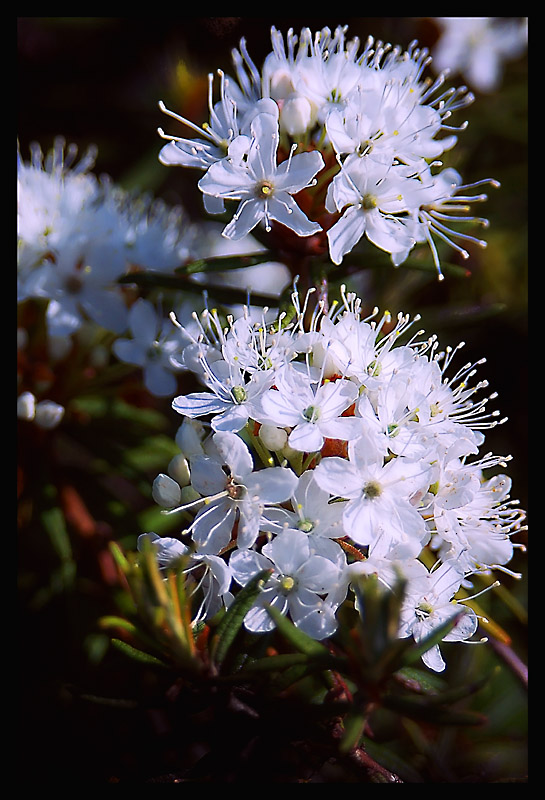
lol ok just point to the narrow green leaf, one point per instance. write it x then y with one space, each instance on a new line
223 263
117 622
422 681
420 708
233 618
55 525
300 640
274 663
137 655
456 693
181 282
119 558
354 724
393 761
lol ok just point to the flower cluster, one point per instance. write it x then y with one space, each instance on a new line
333 142
77 235
477 47
328 447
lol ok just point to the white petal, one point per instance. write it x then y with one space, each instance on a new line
319 574
198 404
283 208
234 452
247 216
273 484
221 572
245 564
130 351
159 381
207 476
143 321
306 437
232 420
346 233
213 526
301 171
338 477
433 659
317 621
289 550
344 428
283 408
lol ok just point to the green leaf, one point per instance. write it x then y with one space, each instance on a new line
224 263
233 618
55 525
117 622
183 282
274 663
393 761
354 724
420 708
421 680
119 558
300 640
137 655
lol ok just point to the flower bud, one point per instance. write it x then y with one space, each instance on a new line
165 491
189 494
272 437
178 469
26 405
296 115
48 414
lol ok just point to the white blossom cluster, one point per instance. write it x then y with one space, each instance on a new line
327 447
332 140
77 234
478 47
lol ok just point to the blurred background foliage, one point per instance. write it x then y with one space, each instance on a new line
98 80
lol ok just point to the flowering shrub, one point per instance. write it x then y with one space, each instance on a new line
287 492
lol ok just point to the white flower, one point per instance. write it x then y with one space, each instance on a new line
313 413
264 188
381 499
387 122
231 400
154 342
391 435
478 47
52 191
298 584
311 512
217 137
235 493
428 603
477 532
439 199
372 194
214 576
321 69
72 248
158 238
